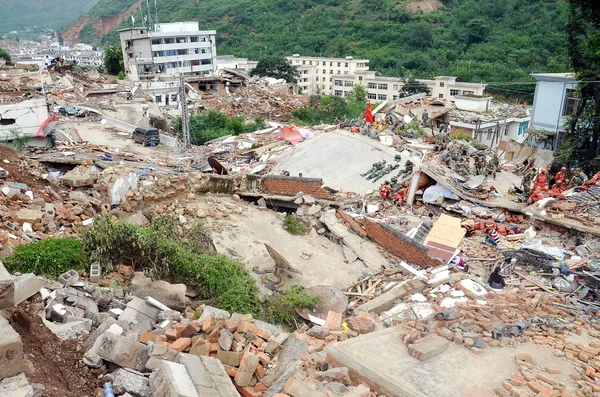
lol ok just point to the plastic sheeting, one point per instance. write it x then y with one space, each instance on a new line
433 192
292 134
552 251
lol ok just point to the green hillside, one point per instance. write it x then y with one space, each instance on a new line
476 40
36 15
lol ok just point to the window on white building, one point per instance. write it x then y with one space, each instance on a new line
346 65
169 40
338 83
359 78
194 39
324 71
372 96
372 86
523 127
396 87
338 93
441 84
304 62
158 99
339 72
571 102
382 86
348 84
339 64
454 92
310 62
331 72
382 97
465 92
441 96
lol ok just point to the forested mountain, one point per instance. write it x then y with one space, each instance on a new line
37 15
476 40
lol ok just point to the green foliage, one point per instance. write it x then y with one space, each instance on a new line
581 145
277 67
490 41
293 225
4 55
50 257
328 108
214 124
415 126
461 136
163 252
281 308
35 15
412 87
121 75
21 143
113 60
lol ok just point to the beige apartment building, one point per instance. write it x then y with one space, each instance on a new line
338 76
316 73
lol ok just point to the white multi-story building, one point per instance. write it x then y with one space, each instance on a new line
338 76
174 49
316 73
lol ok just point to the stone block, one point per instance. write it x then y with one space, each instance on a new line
225 339
171 380
208 376
248 365
297 388
218 314
95 272
7 289
428 348
29 215
26 286
229 358
139 315
171 295
11 350
16 386
68 278
120 350
128 382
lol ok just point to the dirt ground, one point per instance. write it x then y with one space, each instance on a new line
56 364
24 171
425 6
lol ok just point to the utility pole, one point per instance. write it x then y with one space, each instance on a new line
185 121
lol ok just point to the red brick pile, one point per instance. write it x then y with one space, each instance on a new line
244 349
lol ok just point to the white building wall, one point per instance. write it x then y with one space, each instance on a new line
28 116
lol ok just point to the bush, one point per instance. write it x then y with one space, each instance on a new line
282 308
49 258
293 225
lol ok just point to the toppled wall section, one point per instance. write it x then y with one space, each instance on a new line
400 245
290 186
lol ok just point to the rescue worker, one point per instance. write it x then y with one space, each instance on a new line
400 196
592 181
578 179
479 164
560 176
541 179
491 169
446 157
527 180
386 171
461 169
385 191
408 170
376 167
490 224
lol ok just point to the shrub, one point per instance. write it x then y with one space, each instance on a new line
49 258
282 308
293 225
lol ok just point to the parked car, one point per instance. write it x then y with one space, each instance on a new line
146 136
72 111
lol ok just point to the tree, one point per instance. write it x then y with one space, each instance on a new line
4 55
581 145
113 59
412 87
276 67
358 94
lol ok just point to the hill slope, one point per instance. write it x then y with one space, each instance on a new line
55 14
476 40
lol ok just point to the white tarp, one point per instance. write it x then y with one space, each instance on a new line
433 192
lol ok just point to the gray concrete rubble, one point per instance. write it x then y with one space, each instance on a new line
11 351
16 386
127 381
139 315
217 313
121 351
208 376
7 289
26 285
172 380
171 295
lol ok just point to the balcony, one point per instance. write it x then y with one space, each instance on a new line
181 46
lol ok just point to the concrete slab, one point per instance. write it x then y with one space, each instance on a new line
11 350
338 157
7 289
389 369
26 286
171 295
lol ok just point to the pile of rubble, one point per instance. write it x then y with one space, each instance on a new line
257 100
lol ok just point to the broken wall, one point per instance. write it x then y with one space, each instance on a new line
517 153
22 119
290 186
399 244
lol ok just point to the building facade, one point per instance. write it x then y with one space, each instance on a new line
554 100
317 73
338 76
172 49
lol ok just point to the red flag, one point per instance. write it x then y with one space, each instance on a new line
368 114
